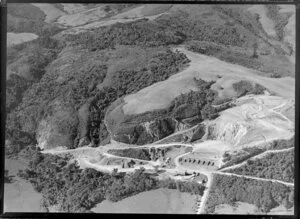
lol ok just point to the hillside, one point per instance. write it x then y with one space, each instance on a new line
134 84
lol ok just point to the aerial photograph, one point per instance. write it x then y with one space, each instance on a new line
150 108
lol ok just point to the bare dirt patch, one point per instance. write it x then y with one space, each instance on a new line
252 123
82 17
265 21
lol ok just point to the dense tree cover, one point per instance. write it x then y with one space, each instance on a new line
160 68
244 87
15 86
142 32
97 109
278 166
138 153
195 29
263 194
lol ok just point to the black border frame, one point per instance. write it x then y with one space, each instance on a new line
3 99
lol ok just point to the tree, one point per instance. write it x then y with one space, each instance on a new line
286 203
7 178
255 47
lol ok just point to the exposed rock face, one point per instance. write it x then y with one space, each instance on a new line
82 130
58 129
144 133
181 126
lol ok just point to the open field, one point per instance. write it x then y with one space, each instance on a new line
246 208
19 196
238 208
163 201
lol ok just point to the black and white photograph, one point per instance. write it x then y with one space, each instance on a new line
150 108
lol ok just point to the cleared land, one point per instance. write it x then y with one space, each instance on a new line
73 8
265 21
18 38
160 95
82 17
